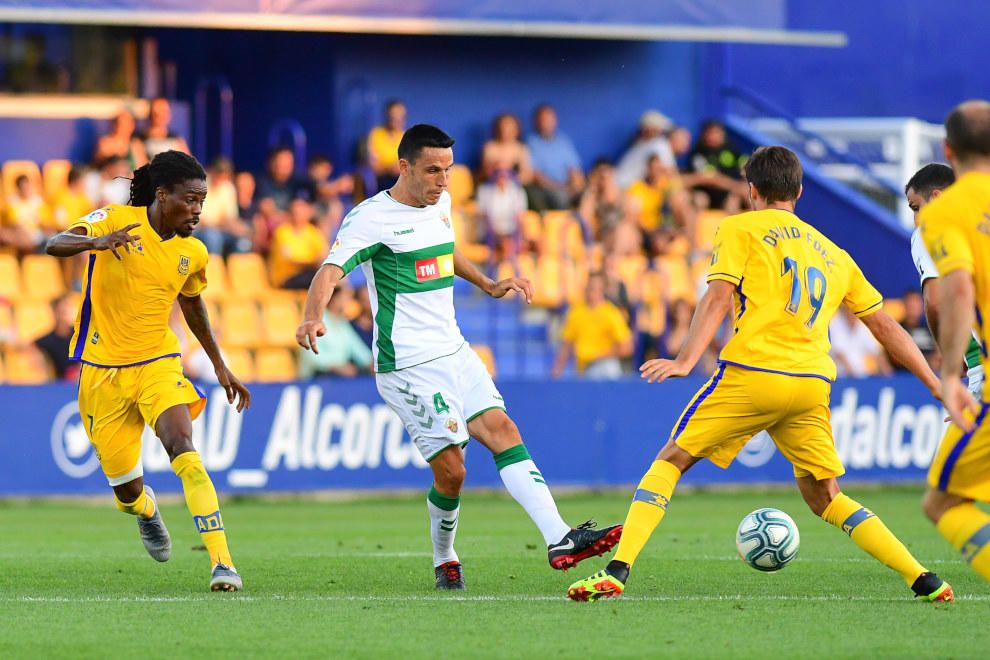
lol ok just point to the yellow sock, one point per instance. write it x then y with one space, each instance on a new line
869 533
646 511
968 530
143 506
201 500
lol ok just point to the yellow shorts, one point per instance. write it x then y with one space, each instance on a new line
115 405
737 403
962 462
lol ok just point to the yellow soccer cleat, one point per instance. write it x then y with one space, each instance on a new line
600 585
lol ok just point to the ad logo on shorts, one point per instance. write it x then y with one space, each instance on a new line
71 449
434 268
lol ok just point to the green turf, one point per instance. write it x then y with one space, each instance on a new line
355 579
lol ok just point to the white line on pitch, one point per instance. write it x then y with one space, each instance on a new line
442 598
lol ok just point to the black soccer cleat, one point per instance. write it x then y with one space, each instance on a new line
450 576
582 542
932 589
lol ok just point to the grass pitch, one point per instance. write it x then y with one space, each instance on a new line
355 579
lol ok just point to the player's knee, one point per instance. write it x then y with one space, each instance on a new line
451 477
505 432
818 500
935 504
176 442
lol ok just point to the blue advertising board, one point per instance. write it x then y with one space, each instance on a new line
337 434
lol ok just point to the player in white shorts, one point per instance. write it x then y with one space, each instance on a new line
403 240
927 184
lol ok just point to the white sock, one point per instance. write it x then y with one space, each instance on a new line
526 485
443 529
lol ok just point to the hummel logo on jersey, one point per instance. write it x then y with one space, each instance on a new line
404 232
434 268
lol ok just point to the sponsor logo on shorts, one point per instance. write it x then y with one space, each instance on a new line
452 425
434 268
183 265
95 339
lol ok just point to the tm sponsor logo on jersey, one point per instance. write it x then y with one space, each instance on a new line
434 268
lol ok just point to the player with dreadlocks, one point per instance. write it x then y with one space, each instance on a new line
142 259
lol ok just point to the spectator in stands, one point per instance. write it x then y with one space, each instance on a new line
600 208
364 322
916 325
55 345
298 247
661 185
244 184
506 151
383 145
855 351
651 140
158 136
680 143
273 194
326 192
121 141
72 202
220 226
596 334
716 169
557 175
681 312
342 351
27 222
501 204
616 291
115 181
8 331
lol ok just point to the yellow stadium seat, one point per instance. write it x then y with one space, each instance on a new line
487 357
26 366
549 280
10 277
12 169
3 374
705 226
631 269
532 226
678 279
32 319
55 175
240 363
241 326
279 320
217 286
247 275
895 308
42 277
471 249
555 227
275 365
460 185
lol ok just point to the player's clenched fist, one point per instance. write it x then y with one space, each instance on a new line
116 239
307 333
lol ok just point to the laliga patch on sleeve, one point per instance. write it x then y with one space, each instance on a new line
96 216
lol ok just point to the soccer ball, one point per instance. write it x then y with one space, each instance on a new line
767 539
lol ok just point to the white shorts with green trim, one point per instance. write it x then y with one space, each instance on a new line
435 400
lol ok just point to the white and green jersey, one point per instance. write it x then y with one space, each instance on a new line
407 255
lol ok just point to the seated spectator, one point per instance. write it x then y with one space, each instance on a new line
680 143
364 322
55 345
855 351
596 334
274 191
158 136
557 175
916 325
298 248
114 186
220 226
506 151
600 208
383 145
716 169
501 203
121 141
659 186
651 140
26 221
71 203
342 351
327 192
244 184
681 313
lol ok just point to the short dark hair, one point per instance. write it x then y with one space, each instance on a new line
279 148
967 129
931 177
776 173
391 103
166 170
422 136
319 159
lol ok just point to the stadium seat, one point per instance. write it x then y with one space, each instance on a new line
216 279
679 279
466 243
631 269
241 325
55 175
548 277
42 277
555 232
531 227
32 319
705 227
460 185
275 365
15 168
240 363
248 276
10 277
26 366
279 320
487 357
895 308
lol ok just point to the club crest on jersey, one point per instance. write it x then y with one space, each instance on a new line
445 220
336 244
452 425
183 265
434 268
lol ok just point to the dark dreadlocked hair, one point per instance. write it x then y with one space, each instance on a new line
164 171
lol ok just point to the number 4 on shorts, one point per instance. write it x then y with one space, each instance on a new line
440 404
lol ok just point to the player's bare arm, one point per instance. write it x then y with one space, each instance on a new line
320 290
930 294
464 269
73 241
956 306
712 308
898 343
194 311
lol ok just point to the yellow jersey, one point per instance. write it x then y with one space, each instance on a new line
123 319
790 279
383 145
595 332
292 247
956 229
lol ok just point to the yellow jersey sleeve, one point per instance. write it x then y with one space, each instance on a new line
98 223
729 254
196 281
861 296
